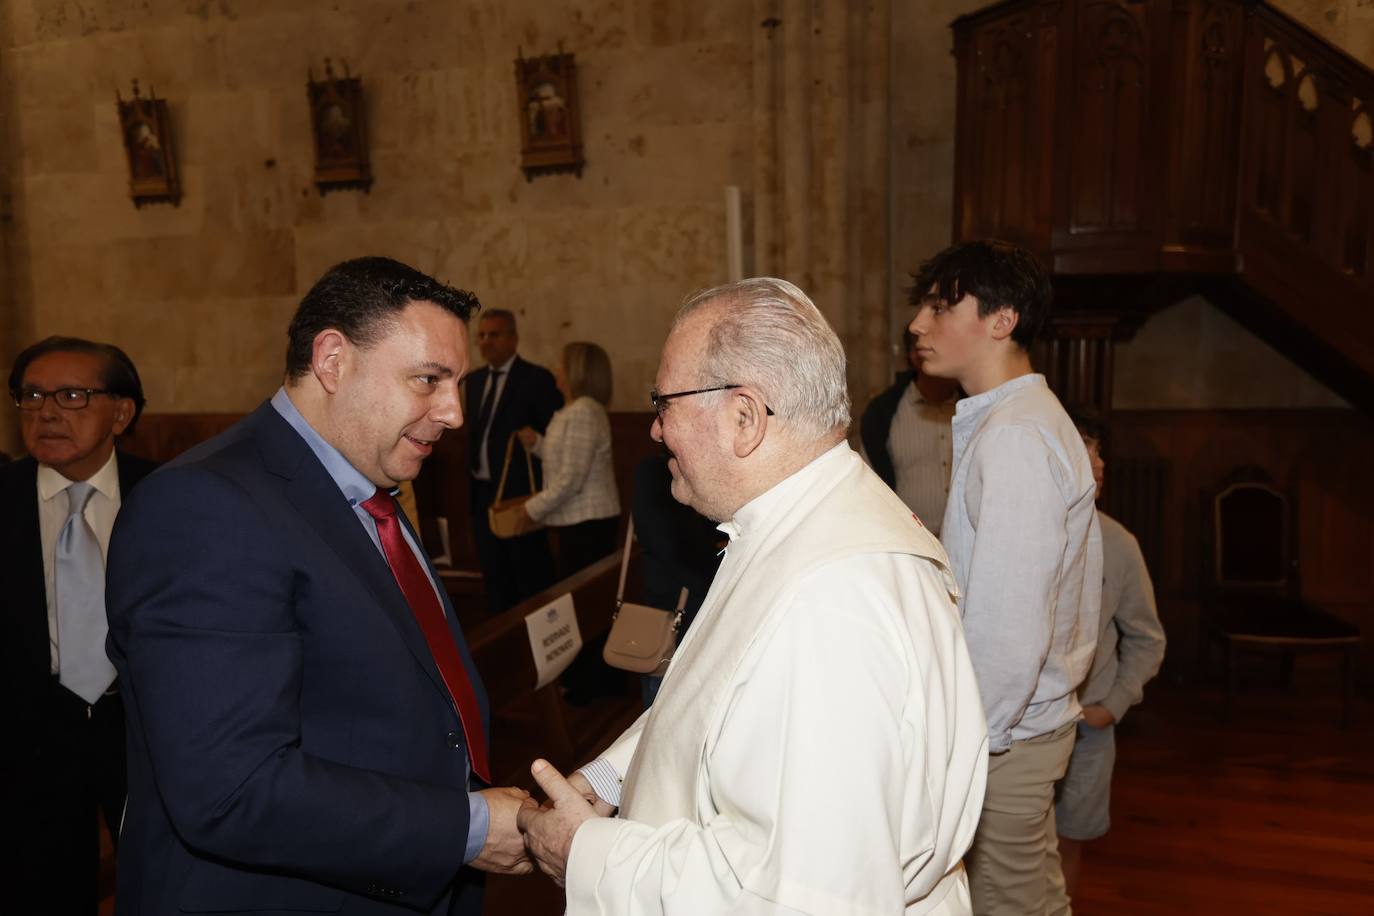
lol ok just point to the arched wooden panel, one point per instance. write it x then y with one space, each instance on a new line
1109 112
1357 178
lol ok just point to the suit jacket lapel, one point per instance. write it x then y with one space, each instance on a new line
23 545
476 382
131 471
456 631
513 376
317 498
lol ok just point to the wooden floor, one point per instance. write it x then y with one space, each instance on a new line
1271 813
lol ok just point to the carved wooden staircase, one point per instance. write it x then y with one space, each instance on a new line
1153 149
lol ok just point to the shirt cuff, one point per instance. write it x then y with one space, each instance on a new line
479 819
604 779
1116 703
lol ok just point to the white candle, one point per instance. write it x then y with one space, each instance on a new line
734 238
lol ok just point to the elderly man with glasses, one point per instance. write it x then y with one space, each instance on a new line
57 507
818 744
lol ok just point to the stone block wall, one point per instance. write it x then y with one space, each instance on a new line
200 294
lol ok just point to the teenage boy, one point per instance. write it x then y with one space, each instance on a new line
1023 538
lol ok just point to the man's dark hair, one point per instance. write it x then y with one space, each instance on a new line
999 275
359 299
118 376
1089 423
505 314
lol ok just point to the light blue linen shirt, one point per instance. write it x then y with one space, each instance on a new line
357 489
1024 541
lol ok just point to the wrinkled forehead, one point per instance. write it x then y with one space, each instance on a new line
66 367
683 351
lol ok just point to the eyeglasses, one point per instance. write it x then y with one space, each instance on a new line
660 401
66 398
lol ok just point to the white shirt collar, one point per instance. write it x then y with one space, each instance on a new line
977 404
106 480
505 367
755 512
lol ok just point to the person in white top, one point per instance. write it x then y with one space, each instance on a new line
818 744
1023 536
579 498
905 437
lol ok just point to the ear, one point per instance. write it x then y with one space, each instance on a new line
124 415
328 357
1004 321
749 417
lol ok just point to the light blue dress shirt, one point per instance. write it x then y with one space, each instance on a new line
357 489
1024 542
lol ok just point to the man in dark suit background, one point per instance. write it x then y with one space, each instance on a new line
305 721
503 396
64 766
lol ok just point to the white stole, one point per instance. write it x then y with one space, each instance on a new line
845 510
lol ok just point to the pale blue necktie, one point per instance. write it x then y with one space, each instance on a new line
83 668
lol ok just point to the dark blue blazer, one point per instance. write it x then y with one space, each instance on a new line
291 743
530 398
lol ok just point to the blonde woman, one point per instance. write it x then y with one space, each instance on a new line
579 499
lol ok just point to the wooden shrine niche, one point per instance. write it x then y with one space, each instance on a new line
338 121
550 120
146 129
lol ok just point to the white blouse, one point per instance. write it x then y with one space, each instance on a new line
579 479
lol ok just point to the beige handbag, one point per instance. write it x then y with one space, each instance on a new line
506 517
642 638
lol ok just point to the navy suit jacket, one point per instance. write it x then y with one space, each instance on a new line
291 743
530 398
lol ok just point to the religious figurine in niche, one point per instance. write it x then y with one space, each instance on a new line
550 126
147 132
548 114
337 121
146 154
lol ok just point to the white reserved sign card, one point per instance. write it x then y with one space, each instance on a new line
554 638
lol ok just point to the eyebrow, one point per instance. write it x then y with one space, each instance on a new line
436 368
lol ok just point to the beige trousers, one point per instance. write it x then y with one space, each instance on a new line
1015 849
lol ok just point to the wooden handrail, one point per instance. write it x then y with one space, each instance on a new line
529 722
1180 147
500 646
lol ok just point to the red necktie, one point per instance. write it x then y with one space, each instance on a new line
424 603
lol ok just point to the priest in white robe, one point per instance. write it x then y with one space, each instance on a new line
818 745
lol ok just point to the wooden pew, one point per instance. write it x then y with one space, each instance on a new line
529 723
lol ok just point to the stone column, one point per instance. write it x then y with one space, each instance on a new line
11 329
821 183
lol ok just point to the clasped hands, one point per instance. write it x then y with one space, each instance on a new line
520 829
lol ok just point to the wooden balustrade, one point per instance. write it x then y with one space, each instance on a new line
1216 141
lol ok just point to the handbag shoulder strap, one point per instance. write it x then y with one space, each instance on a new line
624 572
505 469
529 466
625 564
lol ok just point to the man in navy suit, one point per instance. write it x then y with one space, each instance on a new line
503 396
64 768
305 721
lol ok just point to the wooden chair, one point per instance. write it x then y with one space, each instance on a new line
1252 597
